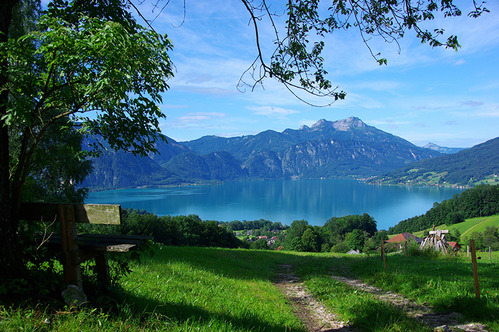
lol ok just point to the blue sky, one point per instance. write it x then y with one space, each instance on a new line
424 94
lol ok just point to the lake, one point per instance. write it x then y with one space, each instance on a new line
313 200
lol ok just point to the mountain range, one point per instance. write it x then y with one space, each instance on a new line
479 164
344 148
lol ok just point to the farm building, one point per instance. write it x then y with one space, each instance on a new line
454 246
401 238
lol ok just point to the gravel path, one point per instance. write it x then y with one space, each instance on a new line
424 313
317 317
312 313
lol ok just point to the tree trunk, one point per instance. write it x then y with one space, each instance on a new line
9 245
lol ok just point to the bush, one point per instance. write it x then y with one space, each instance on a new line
260 244
341 247
179 230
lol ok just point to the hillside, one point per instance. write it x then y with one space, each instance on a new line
344 148
468 227
479 164
479 201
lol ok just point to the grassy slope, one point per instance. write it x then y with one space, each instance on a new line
470 226
225 290
210 289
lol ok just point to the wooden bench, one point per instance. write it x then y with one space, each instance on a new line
77 248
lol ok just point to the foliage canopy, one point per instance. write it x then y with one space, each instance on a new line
297 60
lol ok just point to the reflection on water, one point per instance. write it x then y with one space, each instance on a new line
282 200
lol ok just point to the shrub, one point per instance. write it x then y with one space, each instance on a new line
341 247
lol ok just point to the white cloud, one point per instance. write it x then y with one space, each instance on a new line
200 116
472 103
271 111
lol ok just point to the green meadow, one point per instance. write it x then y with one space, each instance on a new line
470 226
214 289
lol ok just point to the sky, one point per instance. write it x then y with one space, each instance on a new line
423 95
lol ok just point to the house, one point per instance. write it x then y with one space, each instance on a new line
454 246
399 240
272 240
403 237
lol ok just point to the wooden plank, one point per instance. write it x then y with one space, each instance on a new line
69 245
101 240
89 251
109 214
120 247
114 238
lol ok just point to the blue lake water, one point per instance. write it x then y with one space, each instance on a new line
313 200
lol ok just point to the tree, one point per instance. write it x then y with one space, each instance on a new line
90 57
260 244
356 239
311 240
104 75
294 235
58 163
297 60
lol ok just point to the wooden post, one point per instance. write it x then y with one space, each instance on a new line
69 244
102 268
468 251
383 253
475 268
490 253
405 248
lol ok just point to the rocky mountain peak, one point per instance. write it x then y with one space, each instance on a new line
320 123
341 125
348 123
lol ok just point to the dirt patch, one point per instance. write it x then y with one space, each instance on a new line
423 313
311 312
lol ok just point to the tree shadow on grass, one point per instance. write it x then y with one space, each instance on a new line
237 264
473 309
164 314
379 316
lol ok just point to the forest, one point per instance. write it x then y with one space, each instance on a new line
480 201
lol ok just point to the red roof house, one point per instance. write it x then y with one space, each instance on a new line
454 245
403 237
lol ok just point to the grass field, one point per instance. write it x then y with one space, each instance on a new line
470 226
212 289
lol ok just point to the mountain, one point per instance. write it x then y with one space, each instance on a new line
467 167
344 148
442 149
119 169
341 148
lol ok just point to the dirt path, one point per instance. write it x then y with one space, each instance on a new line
317 317
423 313
311 312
